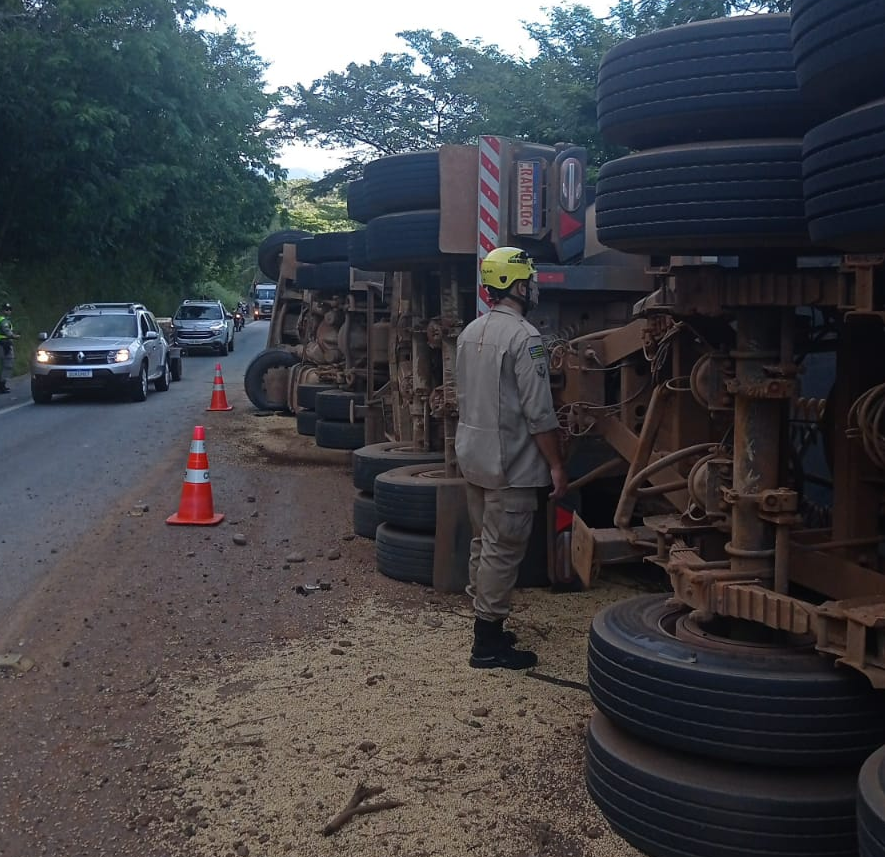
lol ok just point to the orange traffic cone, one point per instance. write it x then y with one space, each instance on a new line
196 493
219 399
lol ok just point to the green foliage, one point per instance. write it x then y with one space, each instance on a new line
441 90
128 132
635 17
300 208
390 106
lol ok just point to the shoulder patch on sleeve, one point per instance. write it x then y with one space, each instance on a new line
537 352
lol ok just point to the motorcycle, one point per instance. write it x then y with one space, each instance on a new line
239 321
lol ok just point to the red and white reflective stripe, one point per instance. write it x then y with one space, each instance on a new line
489 211
196 477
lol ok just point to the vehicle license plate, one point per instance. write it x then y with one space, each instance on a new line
79 373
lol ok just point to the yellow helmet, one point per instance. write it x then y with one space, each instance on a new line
504 266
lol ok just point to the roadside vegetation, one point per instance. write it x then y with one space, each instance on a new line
139 153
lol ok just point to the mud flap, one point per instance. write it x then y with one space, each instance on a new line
583 549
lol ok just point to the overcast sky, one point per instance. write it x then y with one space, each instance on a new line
304 40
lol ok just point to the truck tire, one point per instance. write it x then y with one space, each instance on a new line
713 198
871 806
324 247
365 518
837 50
659 675
332 434
253 380
844 179
406 497
670 804
357 208
306 395
404 555
403 182
723 79
337 404
306 423
356 250
369 461
405 240
332 278
271 248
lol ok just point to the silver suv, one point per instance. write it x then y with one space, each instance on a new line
102 346
203 324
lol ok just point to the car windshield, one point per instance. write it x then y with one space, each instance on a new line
194 312
116 326
264 294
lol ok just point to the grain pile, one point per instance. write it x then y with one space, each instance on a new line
483 763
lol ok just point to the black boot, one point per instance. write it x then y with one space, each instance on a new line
492 648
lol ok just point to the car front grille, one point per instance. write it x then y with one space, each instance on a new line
197 335
81 358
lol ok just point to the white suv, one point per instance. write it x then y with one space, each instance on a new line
102 346
203 324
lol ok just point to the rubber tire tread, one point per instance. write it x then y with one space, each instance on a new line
357 208
271 248
324 247
670 804
871 805
356 250
404 182
722 79
402 240
253 378
334 434
306 395
332 278
376 458
306 422
406 496
716 198
783 708
365 518
837 51
844 179
404 555
335 404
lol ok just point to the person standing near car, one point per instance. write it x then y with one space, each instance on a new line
7 350
507 445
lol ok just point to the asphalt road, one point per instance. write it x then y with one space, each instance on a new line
65 464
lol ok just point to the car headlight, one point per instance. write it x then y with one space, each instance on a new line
44 356
120 356
218 325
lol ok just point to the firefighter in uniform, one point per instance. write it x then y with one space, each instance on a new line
7 352
507 444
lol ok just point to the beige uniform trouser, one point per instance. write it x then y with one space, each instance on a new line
502 524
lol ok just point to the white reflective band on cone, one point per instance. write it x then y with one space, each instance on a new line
198 446
197 477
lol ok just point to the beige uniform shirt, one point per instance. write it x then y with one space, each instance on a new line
503 399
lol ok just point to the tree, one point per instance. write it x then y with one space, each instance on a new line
129 131
381 108
636 17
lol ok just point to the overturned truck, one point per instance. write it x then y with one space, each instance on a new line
714 325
